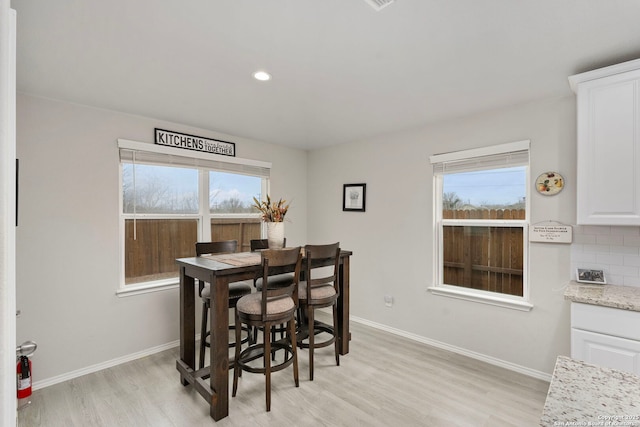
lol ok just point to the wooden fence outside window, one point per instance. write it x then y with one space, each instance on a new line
484 257
478 257
152 255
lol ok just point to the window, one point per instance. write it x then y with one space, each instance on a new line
170 200
160 204
481 223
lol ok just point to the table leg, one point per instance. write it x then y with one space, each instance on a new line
219 355
187 322
343 307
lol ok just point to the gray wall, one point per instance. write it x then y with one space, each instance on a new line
67 241
392 240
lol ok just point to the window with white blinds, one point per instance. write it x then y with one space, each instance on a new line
481 224
144 153
498 156
172 198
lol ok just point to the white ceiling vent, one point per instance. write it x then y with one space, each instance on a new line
378 5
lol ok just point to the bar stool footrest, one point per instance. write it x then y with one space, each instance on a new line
256 352
318 329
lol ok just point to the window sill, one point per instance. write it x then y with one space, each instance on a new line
480 297
147 287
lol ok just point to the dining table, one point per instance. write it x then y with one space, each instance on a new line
212 382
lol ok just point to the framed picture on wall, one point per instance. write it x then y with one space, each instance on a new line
590 276
354 197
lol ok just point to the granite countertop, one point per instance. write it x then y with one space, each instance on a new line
616 296
581 394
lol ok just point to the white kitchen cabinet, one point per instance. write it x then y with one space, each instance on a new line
608 164
605 336
605 350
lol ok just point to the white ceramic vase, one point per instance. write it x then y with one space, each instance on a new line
275 235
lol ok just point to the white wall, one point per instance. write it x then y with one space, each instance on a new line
67 240
7 214
392 240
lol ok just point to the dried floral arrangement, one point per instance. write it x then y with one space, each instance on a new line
271 212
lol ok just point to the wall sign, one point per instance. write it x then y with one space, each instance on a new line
550 233
196 143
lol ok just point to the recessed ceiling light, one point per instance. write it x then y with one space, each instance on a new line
263 76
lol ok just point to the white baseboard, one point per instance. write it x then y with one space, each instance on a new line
474 355
444 346
104 365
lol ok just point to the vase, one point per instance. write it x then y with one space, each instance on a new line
275 235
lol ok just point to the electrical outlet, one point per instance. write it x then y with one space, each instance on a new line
388 300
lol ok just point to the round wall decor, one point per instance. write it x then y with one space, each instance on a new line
549 183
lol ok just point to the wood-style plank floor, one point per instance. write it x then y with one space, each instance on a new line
385 380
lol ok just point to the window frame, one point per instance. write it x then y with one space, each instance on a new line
202 163
438 286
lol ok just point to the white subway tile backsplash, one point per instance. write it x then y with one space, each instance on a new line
602 239
631 281
605 249
588 239
616 250
632 241
610 259
625 250
589 266
632 260
583 257
625 270
625 231
614 279
596 229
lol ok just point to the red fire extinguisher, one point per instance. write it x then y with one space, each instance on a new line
24 377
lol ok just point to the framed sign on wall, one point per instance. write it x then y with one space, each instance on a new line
354 197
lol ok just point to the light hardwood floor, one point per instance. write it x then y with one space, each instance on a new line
385 380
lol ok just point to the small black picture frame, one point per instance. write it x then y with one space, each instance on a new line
354 197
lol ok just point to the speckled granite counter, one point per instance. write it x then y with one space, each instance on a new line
616 296
581 394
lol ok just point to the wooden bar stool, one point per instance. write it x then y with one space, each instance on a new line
270 306
317 291
236 291
275 281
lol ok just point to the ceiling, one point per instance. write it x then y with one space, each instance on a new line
341 71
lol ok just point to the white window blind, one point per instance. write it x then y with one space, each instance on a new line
498 156
144 153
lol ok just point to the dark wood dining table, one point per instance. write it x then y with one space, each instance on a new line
219 271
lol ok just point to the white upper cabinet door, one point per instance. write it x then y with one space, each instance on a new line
608 187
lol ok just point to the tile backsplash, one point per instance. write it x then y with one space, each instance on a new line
616 250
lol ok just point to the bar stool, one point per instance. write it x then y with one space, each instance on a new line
318 291
236 291
275 281
264 309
